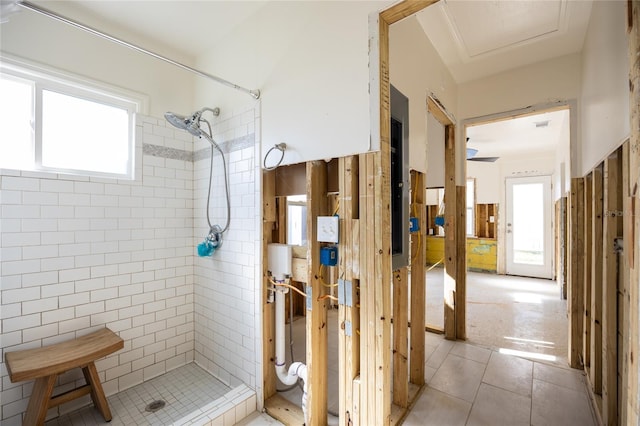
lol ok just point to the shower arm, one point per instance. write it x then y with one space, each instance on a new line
30 6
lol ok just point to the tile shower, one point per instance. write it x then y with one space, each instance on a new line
79 253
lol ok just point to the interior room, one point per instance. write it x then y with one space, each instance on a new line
320 212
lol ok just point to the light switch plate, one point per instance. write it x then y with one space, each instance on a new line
328 229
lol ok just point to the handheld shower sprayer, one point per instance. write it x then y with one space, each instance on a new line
191 124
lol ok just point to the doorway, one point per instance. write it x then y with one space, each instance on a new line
529 248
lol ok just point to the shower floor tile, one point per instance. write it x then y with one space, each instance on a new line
188 391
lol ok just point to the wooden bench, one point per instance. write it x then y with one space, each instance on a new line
46 363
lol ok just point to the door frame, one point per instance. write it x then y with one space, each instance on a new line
546 270
572 106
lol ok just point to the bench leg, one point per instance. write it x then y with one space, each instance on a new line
97 393
39 400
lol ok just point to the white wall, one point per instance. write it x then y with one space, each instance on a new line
541 83
310 60
488 181
562 175
605 89
435 153
34 37
555 81
416 70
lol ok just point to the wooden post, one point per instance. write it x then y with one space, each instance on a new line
418 284
576 283
348 313
461 262
596 281
624 307
588 241
564 246
317 317
612 229
377 267
632 211
400 341
450 221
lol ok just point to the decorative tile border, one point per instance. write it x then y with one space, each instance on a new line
166 152
181 154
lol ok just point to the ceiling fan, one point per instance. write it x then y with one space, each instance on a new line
471 156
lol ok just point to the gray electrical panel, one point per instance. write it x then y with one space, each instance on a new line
399 179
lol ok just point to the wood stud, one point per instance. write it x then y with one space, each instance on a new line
316 319
418 281
576 271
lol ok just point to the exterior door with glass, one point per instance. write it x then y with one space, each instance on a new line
529 228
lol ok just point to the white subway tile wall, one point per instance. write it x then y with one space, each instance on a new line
79 253
227 285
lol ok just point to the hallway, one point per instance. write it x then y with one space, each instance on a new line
506 312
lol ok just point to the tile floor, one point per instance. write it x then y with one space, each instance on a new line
192 396
472 385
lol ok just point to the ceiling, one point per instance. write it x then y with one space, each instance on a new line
189 27
522 136
480 38
474 39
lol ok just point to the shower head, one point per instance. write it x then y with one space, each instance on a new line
8 8
190 124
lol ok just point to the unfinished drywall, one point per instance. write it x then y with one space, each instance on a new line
310 60
417 71
604 105
36 38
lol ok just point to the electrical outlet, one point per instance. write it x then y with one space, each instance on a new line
328 229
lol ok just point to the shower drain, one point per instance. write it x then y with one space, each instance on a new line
155 406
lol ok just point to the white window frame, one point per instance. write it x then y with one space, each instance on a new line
471 209
45 78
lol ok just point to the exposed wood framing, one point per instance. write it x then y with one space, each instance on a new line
461 262
612 228
290 180
403 10
565 246
284 410
455 263
375 291
631 211
586 264
316 323
576 280
450 248
349 314
367 294
597 215
269 217
400 338
561 244
624 308
418 284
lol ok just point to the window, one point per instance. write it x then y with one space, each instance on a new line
62 125
297 220
471 204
